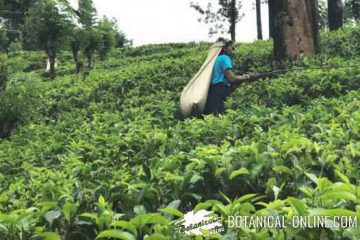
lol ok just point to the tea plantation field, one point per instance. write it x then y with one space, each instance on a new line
109 156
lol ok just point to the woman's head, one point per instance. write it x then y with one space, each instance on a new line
228 47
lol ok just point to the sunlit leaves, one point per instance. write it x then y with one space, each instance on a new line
110 156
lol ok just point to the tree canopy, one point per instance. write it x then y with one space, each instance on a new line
222 18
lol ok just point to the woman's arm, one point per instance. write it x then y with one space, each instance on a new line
233 79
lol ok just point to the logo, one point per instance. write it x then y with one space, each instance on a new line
201 223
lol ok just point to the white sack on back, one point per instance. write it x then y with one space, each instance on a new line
193 97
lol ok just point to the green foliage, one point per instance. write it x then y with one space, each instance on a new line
110 157
48 28
121 40
92 42
107 31
3 40
92 37
83 37
11 69
12 15
3 71
15 48
322 12
343 42
225 12
17 105
352 11
76 44
111 27
87 13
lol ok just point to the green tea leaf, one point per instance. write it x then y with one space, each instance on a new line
331 212
245 198
139 209
276 191
199 206
149 218
238 172
126 225
343 177
156 237
282 169
195 178
219 171
101 202
352 233
51 216
48 236
3 229
298 205
174 204
172 211
116 234
307 191
68 210
312 177
339 195
92 216
226 198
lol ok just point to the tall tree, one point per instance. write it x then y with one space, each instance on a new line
68 7
258 19
355 6
48 28
13 14
271 5
15 11
107 32
352 10
76 42
228 12
87 13
92 36
81 35
295 28
3 40
120 38
92 43
335 14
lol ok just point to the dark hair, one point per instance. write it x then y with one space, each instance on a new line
226 43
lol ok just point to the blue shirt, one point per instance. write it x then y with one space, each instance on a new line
222 63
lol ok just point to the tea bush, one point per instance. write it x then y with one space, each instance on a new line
344 42
18 103
109 156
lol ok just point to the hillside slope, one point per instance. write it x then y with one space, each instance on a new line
87 155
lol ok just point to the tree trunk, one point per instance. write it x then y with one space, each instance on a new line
258 20
313 6
52 59
77 64
232 32
75 54
90 59
335 14
3 77
355 9
271 18
295 28
233 20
